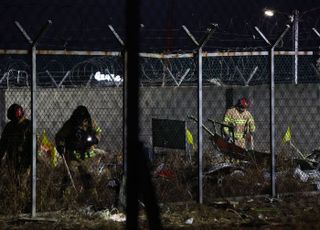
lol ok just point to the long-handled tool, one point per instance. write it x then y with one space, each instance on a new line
222 126
203 126
252 143
69 173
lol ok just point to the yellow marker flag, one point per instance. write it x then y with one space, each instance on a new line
287 136
54 159
48 148
189 138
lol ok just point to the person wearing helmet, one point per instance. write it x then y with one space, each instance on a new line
16 148
75 141
242 122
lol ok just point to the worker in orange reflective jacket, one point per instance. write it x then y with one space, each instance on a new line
242 122
75 141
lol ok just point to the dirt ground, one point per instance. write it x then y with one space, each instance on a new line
298 211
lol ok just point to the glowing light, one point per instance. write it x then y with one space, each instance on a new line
269 13
89 139
107 77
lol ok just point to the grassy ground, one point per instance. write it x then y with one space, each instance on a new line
286 212
175 180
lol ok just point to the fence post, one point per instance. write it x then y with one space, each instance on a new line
124 55
272 105
296 43
199 46
33 44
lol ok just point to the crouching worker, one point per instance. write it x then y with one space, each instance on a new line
75 142
16 152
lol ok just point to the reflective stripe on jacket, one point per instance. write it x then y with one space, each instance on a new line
243 123
85 155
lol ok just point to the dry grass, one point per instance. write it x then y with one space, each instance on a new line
16 200
178 185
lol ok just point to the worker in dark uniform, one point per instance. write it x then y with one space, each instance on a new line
16 150
75 141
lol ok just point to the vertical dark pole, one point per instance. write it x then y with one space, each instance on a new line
2 109
33 44
272 124
272 106
124 55
272 113
34 130
124 110
200 147
132 43
200 45
139 183
296 44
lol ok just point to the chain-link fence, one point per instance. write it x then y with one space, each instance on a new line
235 66
168 92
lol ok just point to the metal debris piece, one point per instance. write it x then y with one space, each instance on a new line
110 215
266 175
237 173
113 183
301 174
222 168
189 221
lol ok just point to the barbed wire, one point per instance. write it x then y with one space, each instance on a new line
229 68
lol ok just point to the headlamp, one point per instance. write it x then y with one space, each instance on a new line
89 138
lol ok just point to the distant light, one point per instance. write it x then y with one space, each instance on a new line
101 77
269 13
117 78
107 77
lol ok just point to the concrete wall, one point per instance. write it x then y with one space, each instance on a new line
296 106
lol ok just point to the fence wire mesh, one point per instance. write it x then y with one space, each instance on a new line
235 65
168 91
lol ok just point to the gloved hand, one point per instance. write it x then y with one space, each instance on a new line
249 138
94 140
228 139
61 149
91 139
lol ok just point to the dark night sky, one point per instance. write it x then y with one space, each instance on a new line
82 24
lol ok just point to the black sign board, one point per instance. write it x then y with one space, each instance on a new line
168 133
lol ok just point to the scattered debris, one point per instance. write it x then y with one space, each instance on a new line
223 168
301 174
165 173
189 221
113 215
113 183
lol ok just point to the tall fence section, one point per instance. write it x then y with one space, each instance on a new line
169 90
